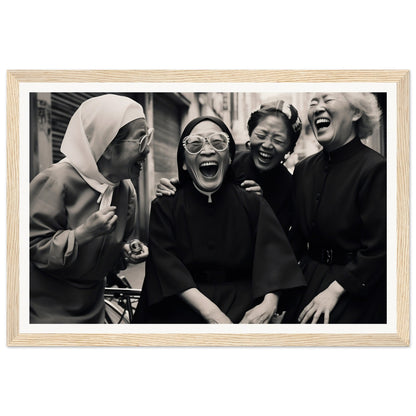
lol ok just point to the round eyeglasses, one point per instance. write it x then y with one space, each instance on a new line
194 143
143 141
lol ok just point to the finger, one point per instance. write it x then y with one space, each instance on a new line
245 319
326 317
174 181
305 309
255 189
246 183
107 210
108 216
167 184
317 315
308 315
111 223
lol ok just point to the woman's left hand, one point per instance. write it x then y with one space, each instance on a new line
323 303
252 186
135 258
263 312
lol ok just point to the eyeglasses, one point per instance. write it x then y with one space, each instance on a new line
194 143
143 141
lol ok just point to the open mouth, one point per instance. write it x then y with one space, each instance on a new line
209 169
265 157
322 123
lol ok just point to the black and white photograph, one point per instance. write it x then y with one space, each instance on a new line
167 207
170 165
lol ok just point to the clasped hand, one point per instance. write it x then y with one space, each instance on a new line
98 223
135 258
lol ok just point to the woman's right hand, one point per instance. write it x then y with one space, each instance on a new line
98 223
217 317
204 306
166 187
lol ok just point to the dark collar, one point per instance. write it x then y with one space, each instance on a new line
345 152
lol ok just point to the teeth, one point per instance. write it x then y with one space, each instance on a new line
265 155
203 164
322 122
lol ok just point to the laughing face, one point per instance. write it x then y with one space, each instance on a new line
124 156
269 142
208 167
332 119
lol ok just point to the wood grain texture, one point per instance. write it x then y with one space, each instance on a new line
398 77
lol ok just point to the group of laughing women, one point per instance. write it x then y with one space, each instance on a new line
236 238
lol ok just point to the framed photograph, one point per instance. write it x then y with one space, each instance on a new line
338 243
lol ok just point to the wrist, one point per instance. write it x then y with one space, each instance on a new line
336 288
209 312
81 235
271 300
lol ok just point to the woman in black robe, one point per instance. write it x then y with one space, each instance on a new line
339 233
217 253
274 129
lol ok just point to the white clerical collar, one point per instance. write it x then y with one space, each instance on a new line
208 194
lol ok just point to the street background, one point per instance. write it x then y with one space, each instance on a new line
215 35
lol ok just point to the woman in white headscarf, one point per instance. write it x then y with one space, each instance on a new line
82 210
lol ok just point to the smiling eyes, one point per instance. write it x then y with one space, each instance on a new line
262 135
315 101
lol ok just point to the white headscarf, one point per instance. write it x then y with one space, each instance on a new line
91 129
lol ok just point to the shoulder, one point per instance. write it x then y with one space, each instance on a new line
308 161
283 173
242 165
247 199
58 174
371 157
242 157
166 203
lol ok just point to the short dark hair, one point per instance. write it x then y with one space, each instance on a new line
278 109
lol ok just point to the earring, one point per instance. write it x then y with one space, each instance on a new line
285 157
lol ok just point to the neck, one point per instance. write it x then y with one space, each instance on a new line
207 193
105 170
331 146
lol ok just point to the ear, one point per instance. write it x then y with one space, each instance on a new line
357 114
184 166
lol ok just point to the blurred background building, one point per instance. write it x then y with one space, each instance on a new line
168 113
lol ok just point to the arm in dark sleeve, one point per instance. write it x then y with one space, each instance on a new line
364 272
275 265
166 275
52 245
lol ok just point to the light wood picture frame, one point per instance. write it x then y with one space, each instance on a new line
21 82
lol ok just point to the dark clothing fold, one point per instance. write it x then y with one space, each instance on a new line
232 249
276 185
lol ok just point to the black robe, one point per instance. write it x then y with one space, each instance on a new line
232 249
276 185
340 204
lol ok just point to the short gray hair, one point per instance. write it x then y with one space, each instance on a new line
367 104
